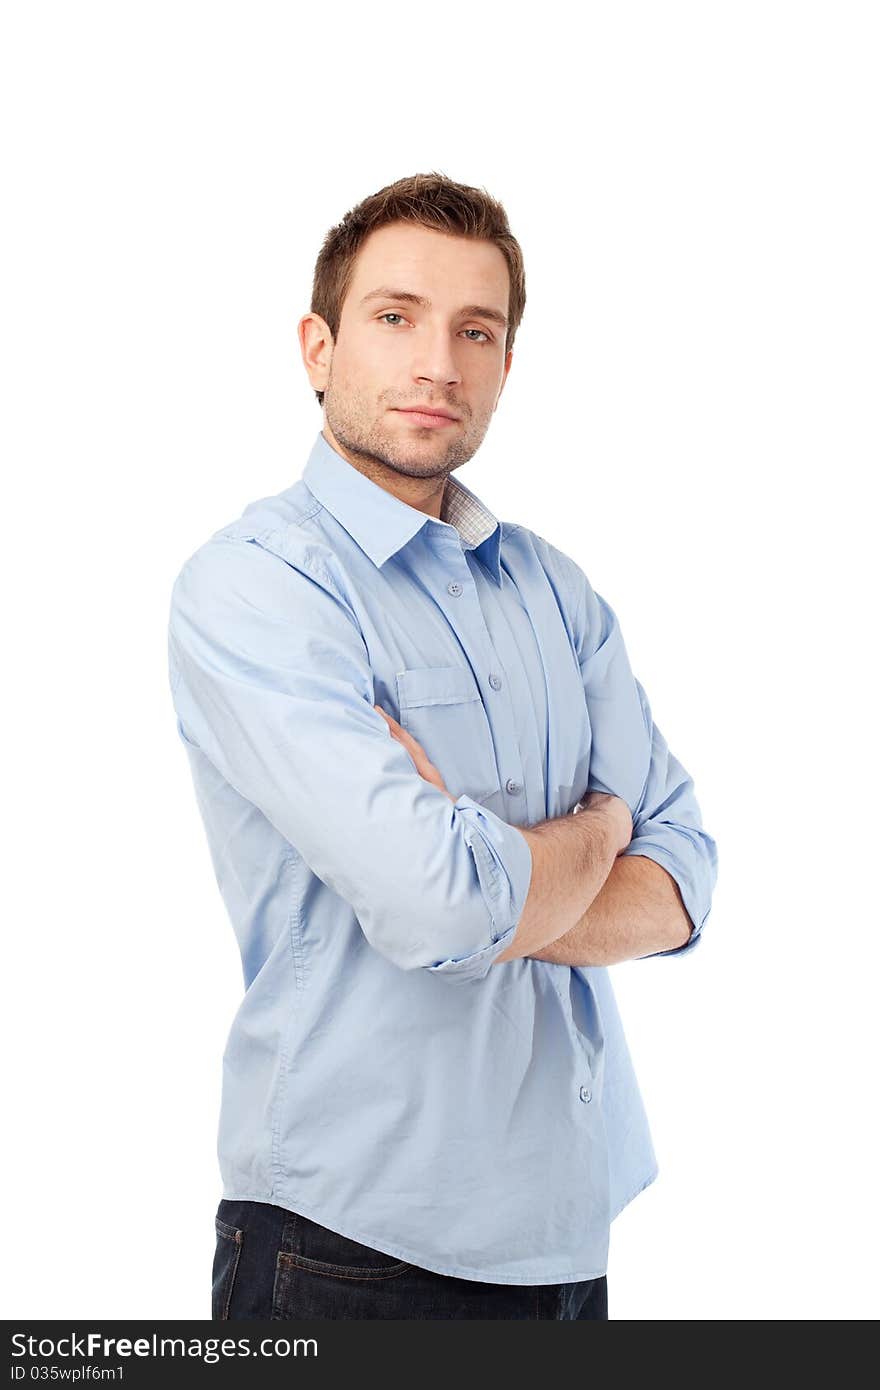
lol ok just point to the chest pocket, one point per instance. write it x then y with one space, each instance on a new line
441 707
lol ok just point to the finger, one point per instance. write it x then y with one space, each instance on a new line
422 763
397 728
411 744
394 728
393 722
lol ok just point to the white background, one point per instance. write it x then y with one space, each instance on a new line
691 414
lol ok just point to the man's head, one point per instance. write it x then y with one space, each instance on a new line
416 300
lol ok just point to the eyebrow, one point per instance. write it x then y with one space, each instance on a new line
407 297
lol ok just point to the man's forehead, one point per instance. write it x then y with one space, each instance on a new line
402 259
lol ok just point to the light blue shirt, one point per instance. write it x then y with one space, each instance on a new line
381 1076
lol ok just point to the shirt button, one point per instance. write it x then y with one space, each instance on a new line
453 588
585 1093
513 787
495 681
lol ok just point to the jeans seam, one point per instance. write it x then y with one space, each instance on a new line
230 1279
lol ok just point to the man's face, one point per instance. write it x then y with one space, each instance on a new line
392 353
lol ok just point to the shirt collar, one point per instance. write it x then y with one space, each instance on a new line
382 524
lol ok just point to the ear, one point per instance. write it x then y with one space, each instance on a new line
507 361
316 345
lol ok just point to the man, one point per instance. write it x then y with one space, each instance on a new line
438 808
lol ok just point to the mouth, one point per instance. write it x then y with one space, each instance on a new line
433 419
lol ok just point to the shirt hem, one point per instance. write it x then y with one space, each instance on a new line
635 1192
404 1252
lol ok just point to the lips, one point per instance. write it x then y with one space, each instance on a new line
426 410
423 421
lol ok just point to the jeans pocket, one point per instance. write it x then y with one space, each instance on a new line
324 1271
226 1256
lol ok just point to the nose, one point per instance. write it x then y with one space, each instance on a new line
435 358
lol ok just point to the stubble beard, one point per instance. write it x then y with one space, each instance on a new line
355 426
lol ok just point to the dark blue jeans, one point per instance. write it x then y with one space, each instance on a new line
273 1263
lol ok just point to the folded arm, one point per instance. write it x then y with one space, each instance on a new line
571 860
658 893
637 912
271 680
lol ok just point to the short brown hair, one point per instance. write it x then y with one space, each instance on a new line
431 200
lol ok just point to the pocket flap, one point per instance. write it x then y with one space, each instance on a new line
436 685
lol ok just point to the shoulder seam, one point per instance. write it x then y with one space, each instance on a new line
307 562
229 532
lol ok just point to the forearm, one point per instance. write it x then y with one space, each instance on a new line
571 859
637 911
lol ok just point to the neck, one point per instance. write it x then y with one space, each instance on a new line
425 494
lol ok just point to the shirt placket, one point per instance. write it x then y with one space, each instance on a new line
513 638
459 598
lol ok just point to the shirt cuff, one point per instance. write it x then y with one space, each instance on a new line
504 867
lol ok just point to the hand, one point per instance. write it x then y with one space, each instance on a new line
424 767
615 809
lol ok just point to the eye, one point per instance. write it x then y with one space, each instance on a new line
393 314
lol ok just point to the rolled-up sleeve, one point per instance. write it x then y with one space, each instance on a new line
631 759
504 866
668 829
271 680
